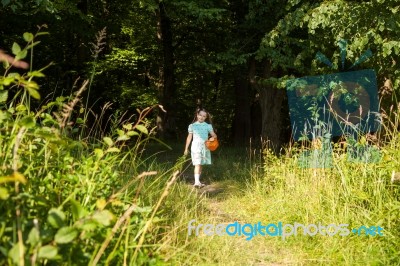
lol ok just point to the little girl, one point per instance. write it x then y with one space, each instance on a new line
198 131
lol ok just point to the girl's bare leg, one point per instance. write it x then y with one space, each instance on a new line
197 173
197 169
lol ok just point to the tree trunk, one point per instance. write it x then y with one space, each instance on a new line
274 112
241 123
165 120
81 49
255 109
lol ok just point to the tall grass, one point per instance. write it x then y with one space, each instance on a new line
350 192
72 196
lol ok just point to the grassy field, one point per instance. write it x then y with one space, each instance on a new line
243 188
124 200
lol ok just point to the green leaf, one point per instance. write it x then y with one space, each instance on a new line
142 129
89 225
42 33
101 203
113 149
3 116
33 237
14 252
65 235
32 45
103 217
3 96
127 126
31 85
36 74
21 55
15 48
4 193
108 141
99 153
14 75
28 37
7 81
6 64
132 133
56 218
48 252
123 137
145 209
34 93
20 108
14 177
77 210
28 122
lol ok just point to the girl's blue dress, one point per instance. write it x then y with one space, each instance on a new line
199 153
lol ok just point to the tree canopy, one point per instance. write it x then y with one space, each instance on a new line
233 58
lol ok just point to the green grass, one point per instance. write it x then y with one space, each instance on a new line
93 202
349 193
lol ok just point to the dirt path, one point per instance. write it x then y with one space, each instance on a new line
236 250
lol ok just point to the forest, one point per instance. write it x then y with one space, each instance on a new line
92 163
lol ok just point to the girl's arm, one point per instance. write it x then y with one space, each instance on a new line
213 135
188 140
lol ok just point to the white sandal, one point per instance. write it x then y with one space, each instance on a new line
199 185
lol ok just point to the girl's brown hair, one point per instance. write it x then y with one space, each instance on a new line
198 110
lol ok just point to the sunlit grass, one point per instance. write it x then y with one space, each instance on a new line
280 191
